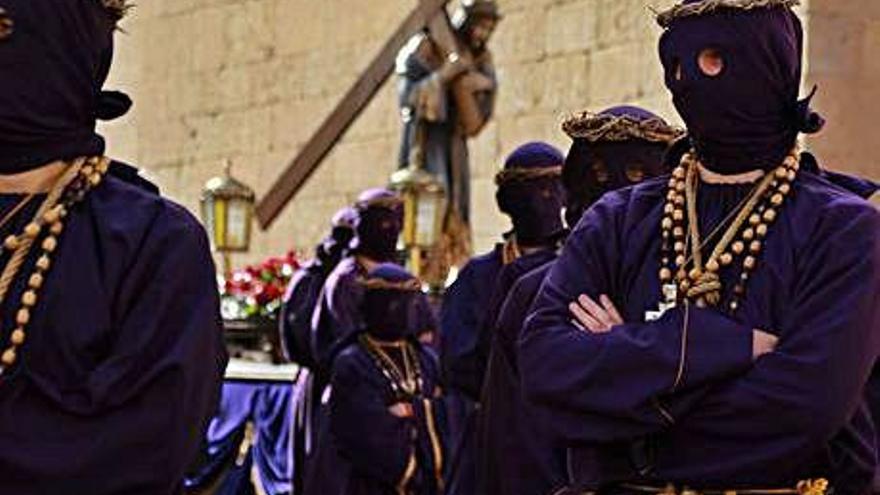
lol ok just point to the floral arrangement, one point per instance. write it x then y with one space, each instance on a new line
256 291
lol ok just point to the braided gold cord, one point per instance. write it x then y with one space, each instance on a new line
520 174
666 17
411 285
594 127
21 252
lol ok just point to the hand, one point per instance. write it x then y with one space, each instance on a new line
454 67
477 82
401 410
592 317
762 343
427 338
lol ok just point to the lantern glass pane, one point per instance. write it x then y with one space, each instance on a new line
238 220
427 218
410 220
221 207
208 219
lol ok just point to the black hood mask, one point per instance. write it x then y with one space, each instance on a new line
55 56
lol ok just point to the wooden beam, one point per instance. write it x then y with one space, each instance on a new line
345 113
443 35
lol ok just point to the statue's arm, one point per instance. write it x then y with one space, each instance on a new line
474 94
425 79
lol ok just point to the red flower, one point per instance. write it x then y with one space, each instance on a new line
261 287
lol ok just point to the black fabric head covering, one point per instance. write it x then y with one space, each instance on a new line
747 116
54 63
529 191
616 148
379 222
391 304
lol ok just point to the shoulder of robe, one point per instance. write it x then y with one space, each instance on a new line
628 206
127 210
860 186
818 192
352 361
131 175
531 280
481 262
649 193
352 353
343 274
832 208
529 262
428 354
300 279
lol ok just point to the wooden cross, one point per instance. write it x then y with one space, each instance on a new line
428 13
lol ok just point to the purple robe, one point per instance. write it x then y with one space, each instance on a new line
372 448
518 455
462 318
337 315
269 406
796 413
295 324
486 426
122 368
504 282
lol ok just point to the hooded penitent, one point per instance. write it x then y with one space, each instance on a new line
618 147
379 222
529 191
785 251
342 232
391 303
55 57
734 71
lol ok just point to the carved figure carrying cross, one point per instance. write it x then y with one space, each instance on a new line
430 14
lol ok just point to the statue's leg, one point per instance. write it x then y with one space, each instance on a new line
457 225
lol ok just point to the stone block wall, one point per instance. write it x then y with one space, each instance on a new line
844 61
250 80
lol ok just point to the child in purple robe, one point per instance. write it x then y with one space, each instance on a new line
378 224
386 414
617 148
338 315
714 330
111 350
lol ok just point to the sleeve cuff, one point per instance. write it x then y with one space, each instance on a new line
713 347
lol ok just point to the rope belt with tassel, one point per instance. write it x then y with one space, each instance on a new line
807 487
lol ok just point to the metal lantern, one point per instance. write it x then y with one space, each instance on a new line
227 211
424 202
424 206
